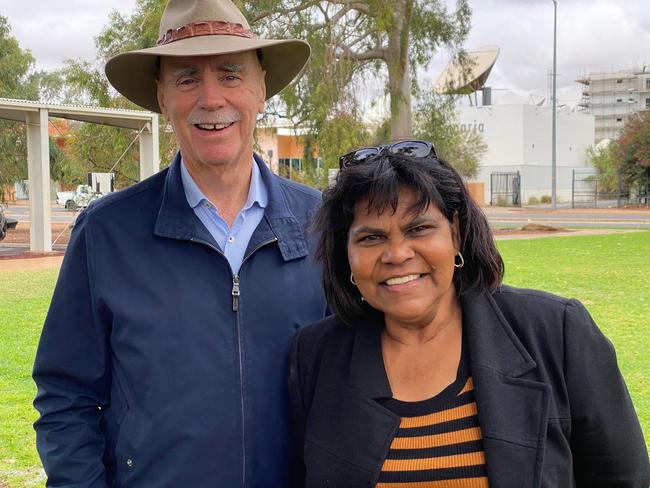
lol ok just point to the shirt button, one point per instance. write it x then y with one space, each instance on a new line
231 238
129 462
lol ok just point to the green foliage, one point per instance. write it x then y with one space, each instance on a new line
604 160
24 298
339 135
352 42
15 67
625 162
100 148
436 121
632 150
533 201
16 81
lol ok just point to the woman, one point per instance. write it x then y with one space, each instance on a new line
431 373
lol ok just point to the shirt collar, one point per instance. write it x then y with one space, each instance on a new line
256 191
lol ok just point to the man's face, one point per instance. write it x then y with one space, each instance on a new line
212 103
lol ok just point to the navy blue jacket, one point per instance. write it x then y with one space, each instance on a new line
159 368
552 404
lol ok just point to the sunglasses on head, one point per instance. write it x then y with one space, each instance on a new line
415 149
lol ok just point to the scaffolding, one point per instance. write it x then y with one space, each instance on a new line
613 96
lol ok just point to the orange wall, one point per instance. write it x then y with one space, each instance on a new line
7 194
290 147
477 192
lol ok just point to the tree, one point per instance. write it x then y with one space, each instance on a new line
102 148
632 150
354 42
603 159
436 121
355 39
16 81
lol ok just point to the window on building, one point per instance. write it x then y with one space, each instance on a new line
647 103
619 100
619 81
647 83
295 163
619 119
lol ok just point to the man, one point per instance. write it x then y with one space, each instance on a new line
162 360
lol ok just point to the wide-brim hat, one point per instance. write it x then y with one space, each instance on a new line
203 28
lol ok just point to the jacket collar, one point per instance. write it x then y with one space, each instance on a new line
491 342
367 371
176 219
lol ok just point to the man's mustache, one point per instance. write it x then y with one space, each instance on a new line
223 116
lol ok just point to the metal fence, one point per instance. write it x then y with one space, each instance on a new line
587 191
505 189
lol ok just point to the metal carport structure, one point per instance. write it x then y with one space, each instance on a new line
36 115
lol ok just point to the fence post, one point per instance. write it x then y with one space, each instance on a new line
573 188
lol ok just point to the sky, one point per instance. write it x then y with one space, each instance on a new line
593 35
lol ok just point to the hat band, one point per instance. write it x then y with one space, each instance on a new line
207 28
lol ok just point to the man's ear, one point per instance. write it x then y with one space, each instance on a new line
262 92
160 98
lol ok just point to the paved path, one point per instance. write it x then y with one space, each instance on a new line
614 218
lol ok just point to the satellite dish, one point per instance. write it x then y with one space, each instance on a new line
457 79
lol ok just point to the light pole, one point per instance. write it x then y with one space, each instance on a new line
554 114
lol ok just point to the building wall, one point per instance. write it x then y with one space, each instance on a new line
613 96
518 138
267 146
274 144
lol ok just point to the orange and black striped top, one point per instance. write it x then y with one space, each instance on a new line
439 442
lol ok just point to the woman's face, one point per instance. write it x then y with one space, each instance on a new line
403 263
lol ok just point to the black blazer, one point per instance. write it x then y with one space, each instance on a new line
552 404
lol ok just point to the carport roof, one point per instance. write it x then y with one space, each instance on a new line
129 119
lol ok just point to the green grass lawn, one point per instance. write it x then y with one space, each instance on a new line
24 298
608 273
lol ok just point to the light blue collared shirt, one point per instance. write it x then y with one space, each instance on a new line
232 240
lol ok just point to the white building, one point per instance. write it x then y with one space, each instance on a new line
612 97
518 139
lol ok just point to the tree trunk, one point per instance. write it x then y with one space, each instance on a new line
399 75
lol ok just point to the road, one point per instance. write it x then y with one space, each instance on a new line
570 218
59 214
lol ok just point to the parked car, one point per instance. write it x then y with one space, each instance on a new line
80 198
3 222
6 223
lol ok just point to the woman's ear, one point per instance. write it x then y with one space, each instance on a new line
455 231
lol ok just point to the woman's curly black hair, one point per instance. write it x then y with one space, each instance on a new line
378 179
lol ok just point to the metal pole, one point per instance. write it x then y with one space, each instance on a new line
554 115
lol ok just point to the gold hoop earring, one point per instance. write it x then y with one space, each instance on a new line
352 280
462 261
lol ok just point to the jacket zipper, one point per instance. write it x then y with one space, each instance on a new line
236 293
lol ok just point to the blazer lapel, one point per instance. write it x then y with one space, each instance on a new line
513 411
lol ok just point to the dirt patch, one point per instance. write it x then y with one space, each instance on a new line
20 235
532 231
